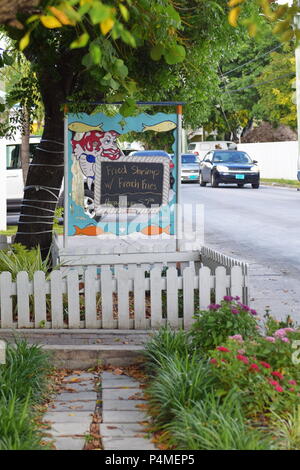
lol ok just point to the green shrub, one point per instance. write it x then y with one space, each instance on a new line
180 381
26 370
213 424
19 258
262 388
17 428
213 326
23 384
165 343
286 429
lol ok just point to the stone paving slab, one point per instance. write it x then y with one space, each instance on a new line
74 429
70 443
123 416
127 443
72 407
122 405
129 383
122 394
69 417
120 430
78 387
77 396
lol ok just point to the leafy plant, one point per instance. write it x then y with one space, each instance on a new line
19 258
25 372
287 429
213 326
165 343
17 428
262 388
213 424
180 382
23 385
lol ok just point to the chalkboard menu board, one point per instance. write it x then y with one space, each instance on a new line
142 181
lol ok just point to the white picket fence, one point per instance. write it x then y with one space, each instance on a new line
114 299
213 259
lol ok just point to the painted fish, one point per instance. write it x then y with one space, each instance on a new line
155 230
90 230
163 126
81 127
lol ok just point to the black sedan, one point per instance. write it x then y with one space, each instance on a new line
230 167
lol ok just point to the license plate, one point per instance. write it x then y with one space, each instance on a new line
193 177
240 177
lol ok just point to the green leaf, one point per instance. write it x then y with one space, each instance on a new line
7 59
96 53
156 52
128 38
175 54
80 42
173 14
128 107
2 107
124 12
99 13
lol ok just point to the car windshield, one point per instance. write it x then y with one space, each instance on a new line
231 157
189 159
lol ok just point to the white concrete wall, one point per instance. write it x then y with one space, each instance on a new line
275 159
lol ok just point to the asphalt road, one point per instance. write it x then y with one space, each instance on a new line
260 226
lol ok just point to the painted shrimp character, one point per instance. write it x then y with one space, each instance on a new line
89 145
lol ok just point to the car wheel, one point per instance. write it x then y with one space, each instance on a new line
255 185
202 183
214 182
240 185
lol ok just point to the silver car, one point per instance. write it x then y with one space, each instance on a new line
189 167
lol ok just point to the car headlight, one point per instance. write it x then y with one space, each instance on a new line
255 169
222 168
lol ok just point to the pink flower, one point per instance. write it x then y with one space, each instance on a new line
238 338
280 333
291 389
214 306
237 298
292 382
235 311
273 382
265 364
242 358
228 298
253 312
285 340
254 367
222 349
278 388
289 330
213 361
277 374
270 339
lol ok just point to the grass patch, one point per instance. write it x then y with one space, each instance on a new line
23 386
12 230
281 182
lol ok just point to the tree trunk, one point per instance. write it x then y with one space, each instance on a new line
25 146
45 173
